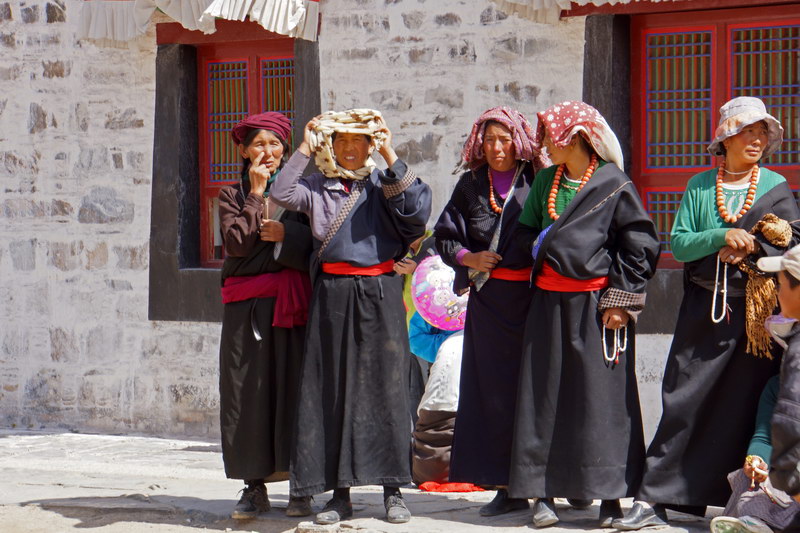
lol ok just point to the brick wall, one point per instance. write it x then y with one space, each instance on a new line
76 134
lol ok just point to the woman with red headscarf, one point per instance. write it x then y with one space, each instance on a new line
473 236
265 290
578 429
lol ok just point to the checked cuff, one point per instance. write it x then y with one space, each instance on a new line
393 189
631 302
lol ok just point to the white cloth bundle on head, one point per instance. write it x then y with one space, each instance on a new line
361 121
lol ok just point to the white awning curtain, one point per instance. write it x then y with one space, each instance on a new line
123 20
550 10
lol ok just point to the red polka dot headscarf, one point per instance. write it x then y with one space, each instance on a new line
562 121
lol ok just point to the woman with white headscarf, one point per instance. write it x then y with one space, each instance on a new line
578 427
353 423
720 358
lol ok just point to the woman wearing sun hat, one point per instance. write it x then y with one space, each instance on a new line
711 383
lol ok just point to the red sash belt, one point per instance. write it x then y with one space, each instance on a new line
511 274
346 269
550 280
290 288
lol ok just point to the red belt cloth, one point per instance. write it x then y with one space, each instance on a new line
550 280
290 288
511 274
346 269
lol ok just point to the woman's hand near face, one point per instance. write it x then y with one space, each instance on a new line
386 150
615 318
308 131
484 261
739 239
272 230
259 176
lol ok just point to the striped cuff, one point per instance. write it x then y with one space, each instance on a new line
399 186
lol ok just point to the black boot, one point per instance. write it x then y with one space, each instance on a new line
544 512
502 504
610 510
338 508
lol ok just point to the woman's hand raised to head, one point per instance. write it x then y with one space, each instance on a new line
259 176
386 150
484 261
308 131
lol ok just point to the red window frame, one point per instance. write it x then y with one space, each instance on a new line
722 23
253 53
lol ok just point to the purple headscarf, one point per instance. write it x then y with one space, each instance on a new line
270 120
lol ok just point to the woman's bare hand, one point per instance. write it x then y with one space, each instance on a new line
739 239
615 318
259 176
272 230
732 256
483 261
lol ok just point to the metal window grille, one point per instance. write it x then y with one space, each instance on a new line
766 63
227 105
663 204
678 105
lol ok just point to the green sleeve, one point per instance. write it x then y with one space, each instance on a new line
689 240
761 443
532 210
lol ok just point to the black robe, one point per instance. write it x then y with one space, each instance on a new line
353 425
578 430
258 378
711 386
493 331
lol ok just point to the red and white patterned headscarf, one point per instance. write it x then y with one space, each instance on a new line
562 121
521 131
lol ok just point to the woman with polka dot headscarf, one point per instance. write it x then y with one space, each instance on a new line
578 427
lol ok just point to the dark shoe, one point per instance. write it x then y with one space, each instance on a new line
577 503
640 516
544 512
502 504
396 510
334 511
254 500
299 506
610 510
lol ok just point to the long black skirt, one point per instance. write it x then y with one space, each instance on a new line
578 431
258 384
353 424
490 365
710 397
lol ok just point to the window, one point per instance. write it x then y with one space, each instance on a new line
182 286
233 82
681 75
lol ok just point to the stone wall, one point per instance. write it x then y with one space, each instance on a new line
76 137
433 66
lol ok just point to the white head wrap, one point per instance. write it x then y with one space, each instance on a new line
361 121
739 113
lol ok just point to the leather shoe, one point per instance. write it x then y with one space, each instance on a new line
396 510
544 512
640 516
334 511
609 511
299 506
579 503
502 504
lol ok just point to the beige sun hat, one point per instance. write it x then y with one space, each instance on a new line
789 261
740 112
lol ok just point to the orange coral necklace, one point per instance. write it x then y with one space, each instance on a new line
749 199
551 200
492 202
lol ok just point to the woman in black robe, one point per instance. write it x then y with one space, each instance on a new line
473 236
578 429
711 384
265 289
353 422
